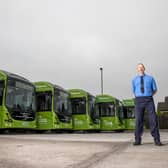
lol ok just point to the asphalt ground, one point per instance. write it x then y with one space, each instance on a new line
78 150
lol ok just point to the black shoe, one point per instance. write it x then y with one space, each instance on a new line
158 144
136 143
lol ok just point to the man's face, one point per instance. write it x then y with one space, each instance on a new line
140 69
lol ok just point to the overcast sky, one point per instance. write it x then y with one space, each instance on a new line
66 41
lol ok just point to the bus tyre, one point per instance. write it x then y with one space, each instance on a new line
119 131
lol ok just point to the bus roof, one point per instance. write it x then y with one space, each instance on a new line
75 93
105 98
47 86
15 76
128 102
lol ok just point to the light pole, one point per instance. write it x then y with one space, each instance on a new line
101 70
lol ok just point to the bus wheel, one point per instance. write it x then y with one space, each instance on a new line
70 131
2 131
119 131
40 131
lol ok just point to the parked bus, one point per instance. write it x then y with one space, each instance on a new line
17 102
84 116
53 107
129 113
162 113
111 116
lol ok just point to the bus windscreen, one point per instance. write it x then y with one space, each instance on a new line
129 112
62 105
78 105
20 100
44 101
106 109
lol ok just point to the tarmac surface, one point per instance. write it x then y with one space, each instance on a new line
78 150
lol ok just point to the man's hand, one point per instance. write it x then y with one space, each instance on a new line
154 92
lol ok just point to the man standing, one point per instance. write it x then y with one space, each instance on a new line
144 87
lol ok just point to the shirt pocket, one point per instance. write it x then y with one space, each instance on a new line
148 86
137 83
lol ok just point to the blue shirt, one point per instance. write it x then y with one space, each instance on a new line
149 86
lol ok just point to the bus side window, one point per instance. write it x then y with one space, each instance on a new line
125 112
1 91
56 101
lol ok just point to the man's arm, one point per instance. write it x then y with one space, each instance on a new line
133 87
154 92
154 87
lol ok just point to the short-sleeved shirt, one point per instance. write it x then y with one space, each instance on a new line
149 86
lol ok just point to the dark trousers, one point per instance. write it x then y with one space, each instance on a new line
143 104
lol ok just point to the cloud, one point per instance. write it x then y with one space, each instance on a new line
66 42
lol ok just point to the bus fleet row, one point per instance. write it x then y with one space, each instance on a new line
44 106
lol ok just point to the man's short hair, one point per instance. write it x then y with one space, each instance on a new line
141 64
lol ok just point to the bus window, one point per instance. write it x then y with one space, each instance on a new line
125 112
78 105
96 111
62 105
1 91
107 109
66 109
120 113
20 100
91 102
130 112
111 110
44 101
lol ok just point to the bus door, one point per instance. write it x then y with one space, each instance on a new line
119 112
94 114
62 106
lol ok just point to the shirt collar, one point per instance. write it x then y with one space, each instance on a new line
142 75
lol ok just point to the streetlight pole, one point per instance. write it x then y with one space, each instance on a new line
101 70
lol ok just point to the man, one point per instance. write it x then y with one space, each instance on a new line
143 88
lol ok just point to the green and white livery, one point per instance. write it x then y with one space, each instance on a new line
84 116
17 102
111 116
129 113
53 107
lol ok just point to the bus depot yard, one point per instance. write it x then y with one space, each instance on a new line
77 129
92 150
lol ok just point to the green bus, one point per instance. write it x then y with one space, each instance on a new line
17 102
53 107
84 116
111 116
129 113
